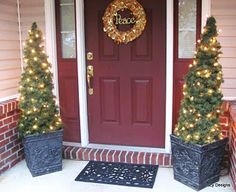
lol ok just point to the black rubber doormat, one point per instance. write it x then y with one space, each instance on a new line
119 174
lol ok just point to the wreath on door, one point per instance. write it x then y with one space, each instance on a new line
111 29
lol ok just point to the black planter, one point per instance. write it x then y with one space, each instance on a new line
43 153
197 166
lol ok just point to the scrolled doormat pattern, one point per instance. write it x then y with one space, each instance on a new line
135 175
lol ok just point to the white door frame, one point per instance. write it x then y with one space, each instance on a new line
81 60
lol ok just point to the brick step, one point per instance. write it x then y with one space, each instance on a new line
86 154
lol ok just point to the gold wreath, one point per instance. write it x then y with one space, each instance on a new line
111 29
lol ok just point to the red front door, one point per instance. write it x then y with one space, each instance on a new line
128 104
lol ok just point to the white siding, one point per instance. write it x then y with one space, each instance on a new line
10 66
225 14
31 11
10 58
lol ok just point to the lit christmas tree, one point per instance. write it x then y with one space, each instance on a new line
202 96
39 113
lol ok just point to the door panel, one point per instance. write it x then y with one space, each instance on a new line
110 101
141 90
128 104
67 69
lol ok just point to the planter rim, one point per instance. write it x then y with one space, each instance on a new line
41 134
198 145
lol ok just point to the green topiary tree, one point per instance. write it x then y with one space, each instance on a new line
202 96
39 113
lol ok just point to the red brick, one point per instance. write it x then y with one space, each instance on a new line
11 113
73 153
1 123
109 155
4 142
12 125
16 142
13 105
1 137
225 127
80 154
113 155
15 148
225 106
122 156
5 108
3 169
67 152
104 154
9 133
13 163
224 120
16 117
233 124
92 154
232 174
154 159
116 156
1 110
89 154
11 158
15 131
147 158
86 154
234 132
1 164
3 129
2 150
9 146
7 120
20 152
141 157
135 157
22 156
9 107
160 159
4 155
167 160
13 138
98 155
2 116
128 156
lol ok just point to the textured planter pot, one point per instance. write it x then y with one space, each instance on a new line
43 153
197 166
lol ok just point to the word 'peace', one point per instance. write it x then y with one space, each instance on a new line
124 21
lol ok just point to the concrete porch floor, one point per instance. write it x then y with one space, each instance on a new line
19 179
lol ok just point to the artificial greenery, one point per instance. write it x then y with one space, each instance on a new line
39 113
202 96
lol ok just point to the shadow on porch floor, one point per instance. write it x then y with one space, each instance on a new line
19 179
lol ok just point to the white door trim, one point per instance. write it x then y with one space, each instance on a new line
81 61
169 71
51 43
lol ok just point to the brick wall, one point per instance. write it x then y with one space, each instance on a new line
233 143
11 150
